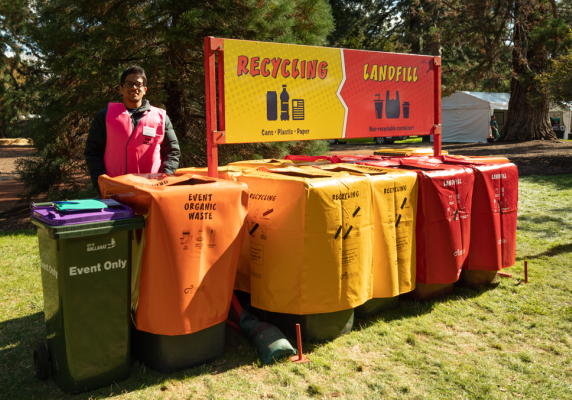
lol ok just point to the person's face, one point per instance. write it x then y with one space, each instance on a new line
133 89
493 117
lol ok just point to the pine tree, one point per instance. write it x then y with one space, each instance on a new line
85 45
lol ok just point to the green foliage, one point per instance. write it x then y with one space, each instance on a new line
85 45
17 75
365 25
557 81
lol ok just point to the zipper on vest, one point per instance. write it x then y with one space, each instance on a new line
130 136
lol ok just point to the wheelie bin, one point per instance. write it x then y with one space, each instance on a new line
85 260
309 248
185 268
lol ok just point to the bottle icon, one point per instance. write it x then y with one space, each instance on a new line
284 104
378 107
405 109
271 106
392 107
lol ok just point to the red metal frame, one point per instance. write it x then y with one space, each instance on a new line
214 51
437 90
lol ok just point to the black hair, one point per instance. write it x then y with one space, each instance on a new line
136 70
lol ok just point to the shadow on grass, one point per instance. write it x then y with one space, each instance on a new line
409 308
18 379
548 182
17 338
23 232
553 252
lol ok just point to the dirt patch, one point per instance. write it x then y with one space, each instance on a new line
9 155
532 158
16 220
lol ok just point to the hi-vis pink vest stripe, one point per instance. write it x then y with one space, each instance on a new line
128 152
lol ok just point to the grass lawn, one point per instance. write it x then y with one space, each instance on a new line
506 342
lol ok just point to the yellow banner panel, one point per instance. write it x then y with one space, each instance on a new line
279 92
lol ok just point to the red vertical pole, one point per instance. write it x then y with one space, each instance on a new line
299 337
525 271
437 91
221 105
210 86
299 358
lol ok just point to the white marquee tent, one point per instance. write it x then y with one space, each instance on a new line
465 116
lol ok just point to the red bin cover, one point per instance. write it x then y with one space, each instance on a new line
493 230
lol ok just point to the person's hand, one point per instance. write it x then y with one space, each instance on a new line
163 176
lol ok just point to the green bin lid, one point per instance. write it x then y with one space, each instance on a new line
90 229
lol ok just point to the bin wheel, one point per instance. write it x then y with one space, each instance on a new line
41 361
379 140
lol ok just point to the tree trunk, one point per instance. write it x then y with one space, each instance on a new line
526 121
528 108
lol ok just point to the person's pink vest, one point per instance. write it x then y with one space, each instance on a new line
132 152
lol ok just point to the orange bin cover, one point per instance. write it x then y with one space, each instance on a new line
192 240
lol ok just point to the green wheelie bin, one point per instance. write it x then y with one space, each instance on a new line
85 260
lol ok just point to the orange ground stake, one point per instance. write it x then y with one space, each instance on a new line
299 358
525 271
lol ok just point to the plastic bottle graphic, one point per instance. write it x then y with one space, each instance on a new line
284 104
405 109
271 106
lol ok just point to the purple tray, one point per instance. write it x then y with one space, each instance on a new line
51 216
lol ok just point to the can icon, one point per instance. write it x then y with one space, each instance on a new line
378 107
405 109
271 106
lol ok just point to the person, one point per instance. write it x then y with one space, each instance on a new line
133 136
494 128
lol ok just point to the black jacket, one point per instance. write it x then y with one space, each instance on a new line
97 139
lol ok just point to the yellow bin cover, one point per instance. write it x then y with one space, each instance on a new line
310 237
395 210
225 173
411 151
268 162
184 264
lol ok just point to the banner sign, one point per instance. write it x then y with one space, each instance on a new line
279 92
